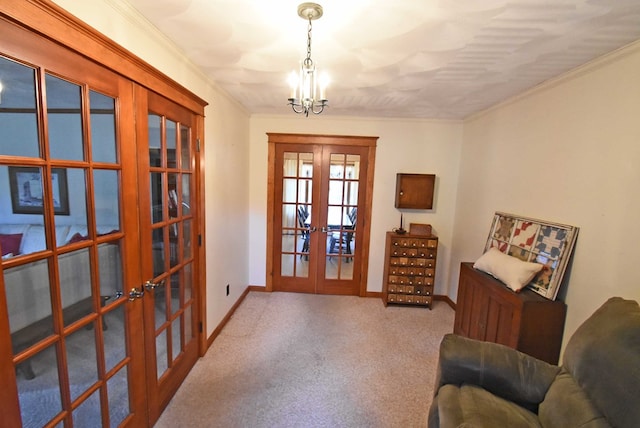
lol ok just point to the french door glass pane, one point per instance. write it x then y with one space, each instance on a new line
75 285
119 407
107 200
157 202
186 194
171 143
115 347
154 125
18 115
185 148
81 360
110 272
161 353
40 398
88 413
103 127
64 119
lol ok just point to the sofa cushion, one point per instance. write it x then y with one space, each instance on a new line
472 406
603 356
567 405
10 244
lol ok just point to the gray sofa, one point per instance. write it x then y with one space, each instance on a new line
482 384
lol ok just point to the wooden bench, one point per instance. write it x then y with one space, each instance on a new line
35 332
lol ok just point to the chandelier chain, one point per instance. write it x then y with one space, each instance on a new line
308 60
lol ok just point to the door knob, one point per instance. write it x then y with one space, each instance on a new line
135 294
150 285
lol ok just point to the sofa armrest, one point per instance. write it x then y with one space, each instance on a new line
499 369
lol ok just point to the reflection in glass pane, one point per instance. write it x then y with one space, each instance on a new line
161 353
188 282
186 239
289 190
107 201
110 271
185 148
103 127
305 165
18 116
331 267
172 180
115 349
40 397
76 195
287 262
353 166
154 123
81 360
160 304
64 119
334 217
157 251
351 193
173 244
175 292
75 284
171 143
304 191
118 390
188 331
23 238
290 163
176 338
289 217
335 191
87 414
336 169
186 194
157 203
28 301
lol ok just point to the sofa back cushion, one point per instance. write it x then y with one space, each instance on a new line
603 356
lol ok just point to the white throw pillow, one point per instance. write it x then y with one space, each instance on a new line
508 269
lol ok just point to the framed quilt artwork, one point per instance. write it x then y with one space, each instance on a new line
537 241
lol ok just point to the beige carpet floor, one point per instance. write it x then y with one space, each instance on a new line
301 360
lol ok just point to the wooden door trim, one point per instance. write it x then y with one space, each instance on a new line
324 140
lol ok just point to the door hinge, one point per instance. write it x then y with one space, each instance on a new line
200 327
198 145
199 240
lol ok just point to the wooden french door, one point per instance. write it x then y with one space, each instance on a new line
98 220
167 158
320 203
71 342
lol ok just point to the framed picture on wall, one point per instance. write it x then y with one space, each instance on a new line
27 194
537 241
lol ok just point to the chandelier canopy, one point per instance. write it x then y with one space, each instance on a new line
308 91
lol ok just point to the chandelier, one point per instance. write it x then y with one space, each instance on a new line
308 92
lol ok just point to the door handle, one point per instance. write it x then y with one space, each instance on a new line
324 229
150 285
312 229
135 293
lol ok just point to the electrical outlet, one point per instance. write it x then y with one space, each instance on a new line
227 289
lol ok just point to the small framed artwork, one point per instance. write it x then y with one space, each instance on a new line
537 241
26 190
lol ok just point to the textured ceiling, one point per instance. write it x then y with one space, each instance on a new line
401 58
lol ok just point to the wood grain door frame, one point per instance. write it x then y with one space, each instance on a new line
324 140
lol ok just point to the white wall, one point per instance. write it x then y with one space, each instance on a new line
226 147
410 146
567 152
